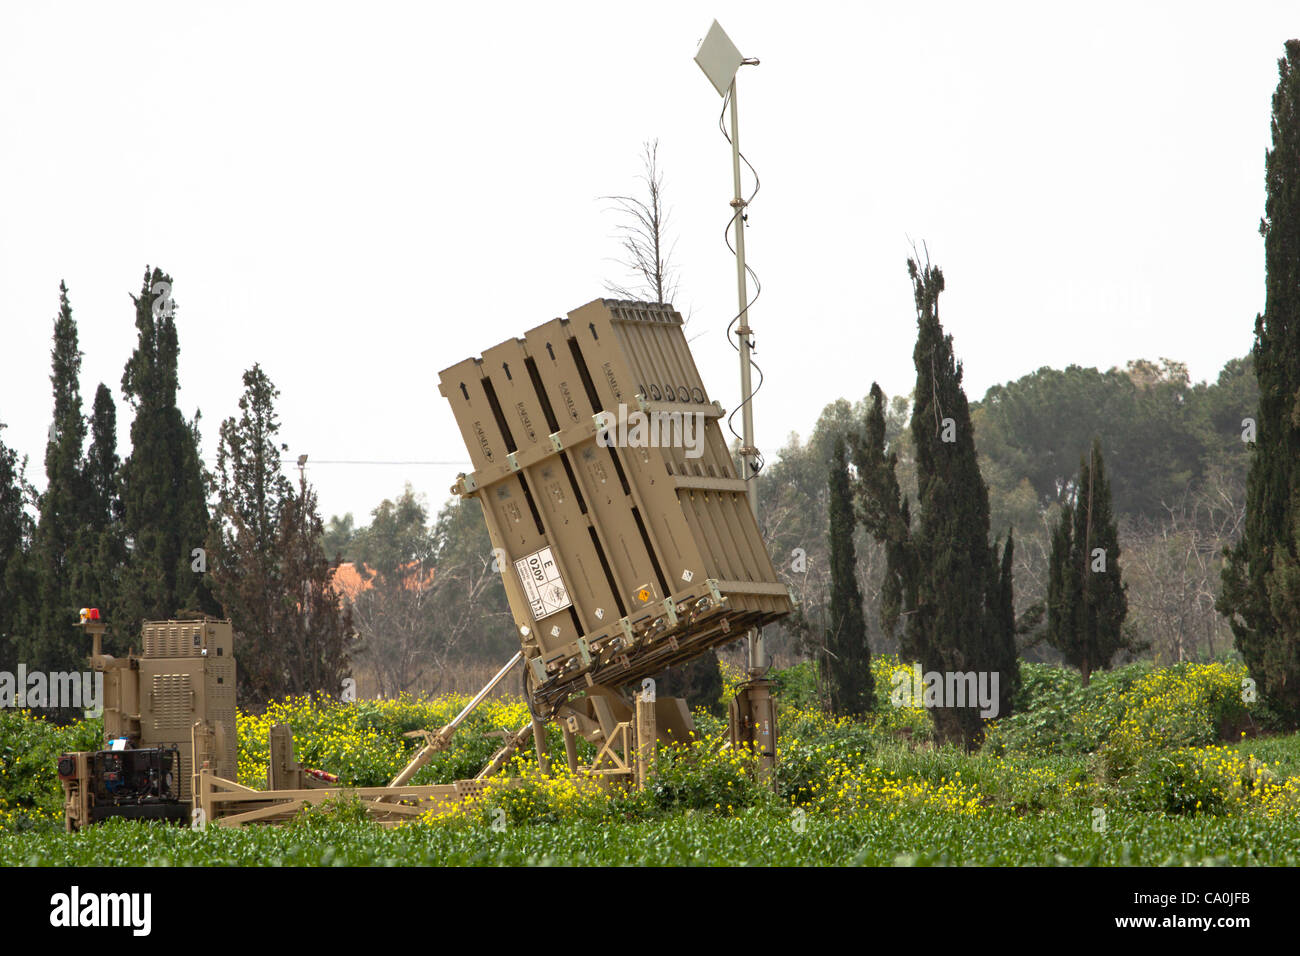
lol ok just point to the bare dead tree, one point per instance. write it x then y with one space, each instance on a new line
1176 564
418 621
1032 560
643 235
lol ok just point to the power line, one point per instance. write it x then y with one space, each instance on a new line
351 461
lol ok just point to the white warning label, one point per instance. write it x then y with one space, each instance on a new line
542 584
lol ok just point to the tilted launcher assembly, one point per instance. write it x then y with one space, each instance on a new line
625 540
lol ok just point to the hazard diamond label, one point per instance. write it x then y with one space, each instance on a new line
542 584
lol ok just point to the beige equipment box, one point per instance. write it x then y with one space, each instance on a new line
184 674
187 674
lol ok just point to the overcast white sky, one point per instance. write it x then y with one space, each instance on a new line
358 196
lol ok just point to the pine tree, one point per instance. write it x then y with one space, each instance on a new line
245 567
952 590
49 640
268 566
847 654
316 629
165 513
1087 597
1261 575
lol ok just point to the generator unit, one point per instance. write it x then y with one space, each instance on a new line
185 674
624 537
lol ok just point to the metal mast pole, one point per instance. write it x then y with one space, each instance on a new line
757 653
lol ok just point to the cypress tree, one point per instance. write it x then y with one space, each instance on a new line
1261 574
848 656
1000 628
1006 605
101 477
952 589
165 513
49 640
1063 584
955 631
1103 592
886 515
102 551
15 540
1087 597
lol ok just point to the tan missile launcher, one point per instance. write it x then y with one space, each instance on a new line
622 533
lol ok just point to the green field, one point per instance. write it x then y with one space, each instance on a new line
913 837
1147 766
